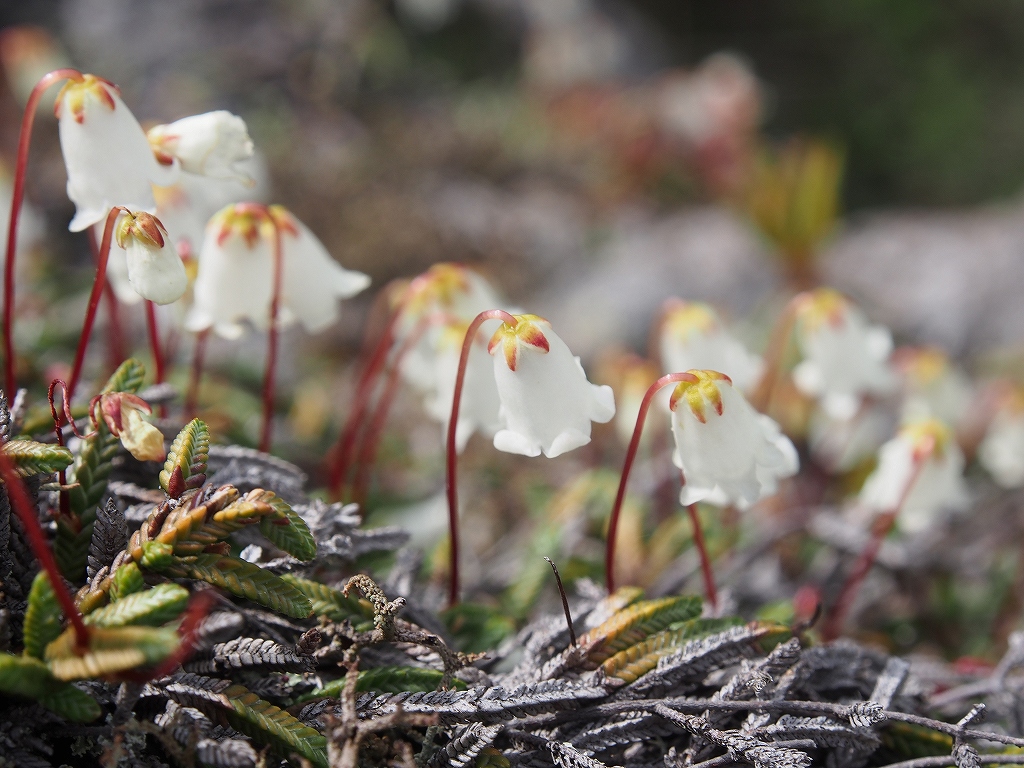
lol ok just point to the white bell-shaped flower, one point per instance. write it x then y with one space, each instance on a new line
729 453
922 467
844 358
480 404
108 158
547 404
933 388
236 273
694 338
212 144
154 269
1001 451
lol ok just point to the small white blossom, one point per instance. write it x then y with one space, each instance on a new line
153 267
212 144
236 273
728 452
693 338
1002 450
933 388
844 358
922 467
106 153
547 403
480 404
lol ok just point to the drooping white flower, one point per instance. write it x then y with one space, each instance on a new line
122 413
729 453
212 144
154 270
694 338
547 404
932 386
480 404
1001 451
844 358
919 475
108 158
236 273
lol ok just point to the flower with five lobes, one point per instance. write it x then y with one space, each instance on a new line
919 475
694 338
547 403
728 452
122 413
106 153
236 273
212 144
154 268
844 358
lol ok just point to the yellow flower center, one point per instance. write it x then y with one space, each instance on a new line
527 330
252 222
143 227
438 287
74 94
700 392
685 319
929 437
822 306
924 366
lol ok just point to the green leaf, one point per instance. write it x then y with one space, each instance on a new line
641 658
631 625
245 580
42 617
32 458
127 378
271 725
127 580
29 677
286 530
156 555
110 650
188 453
150 608
329 602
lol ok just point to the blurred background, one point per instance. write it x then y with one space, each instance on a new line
592 157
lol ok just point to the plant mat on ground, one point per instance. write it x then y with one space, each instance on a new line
210 645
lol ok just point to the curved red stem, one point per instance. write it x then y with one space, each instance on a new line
269 380
115 331
196 377
341 453
634 444
451 455
883 524
154 345
94 298
705 560
372 434
25 510
17 197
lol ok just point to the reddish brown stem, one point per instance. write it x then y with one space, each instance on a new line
196 377
25 510
881 528
58 419
451 454
372 434
705 560
17 198
341 453
94 298
634 444
269 380
115 331
154 346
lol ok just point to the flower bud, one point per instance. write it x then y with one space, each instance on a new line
212 144
547 403
122 413
154 268
728 452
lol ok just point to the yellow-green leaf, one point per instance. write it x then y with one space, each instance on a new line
42 617
30 678
150 608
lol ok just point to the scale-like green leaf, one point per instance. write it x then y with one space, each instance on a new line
29 677
330 602
641 658
188 454
245 580
287 530
127 580
271 725
32 458
42 617
110 650
149 608
127 378
631 625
